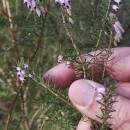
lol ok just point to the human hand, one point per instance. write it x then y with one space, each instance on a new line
61 75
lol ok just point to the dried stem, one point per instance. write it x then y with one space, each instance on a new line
59 97
108 55
23 110
42 32
73 43
46 87
8 18
33 117
100 34
103 23
12 107
111 38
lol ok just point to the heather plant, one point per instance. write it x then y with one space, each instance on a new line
38 34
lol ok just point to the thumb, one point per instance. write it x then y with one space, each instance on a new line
84 95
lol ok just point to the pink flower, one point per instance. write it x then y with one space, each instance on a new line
34 6
119 31
118 1
115 7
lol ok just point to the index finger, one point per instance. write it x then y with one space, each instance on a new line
61 75
118 61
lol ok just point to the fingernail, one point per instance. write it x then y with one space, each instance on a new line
81 93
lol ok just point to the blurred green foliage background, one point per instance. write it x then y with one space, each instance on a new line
43 108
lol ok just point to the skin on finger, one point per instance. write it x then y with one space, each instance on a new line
121 70
61 75
123 89
82 94
118 62
116 55
85 125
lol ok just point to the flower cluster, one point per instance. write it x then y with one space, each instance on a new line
119 31
117 26
21 74
100 92
34 6
65 3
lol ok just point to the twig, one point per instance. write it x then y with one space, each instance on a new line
59 97
100 34
42 32
40 127
46 87
23 110
108 55
74 45
33 117
9 48
7 15
12 106
103 24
